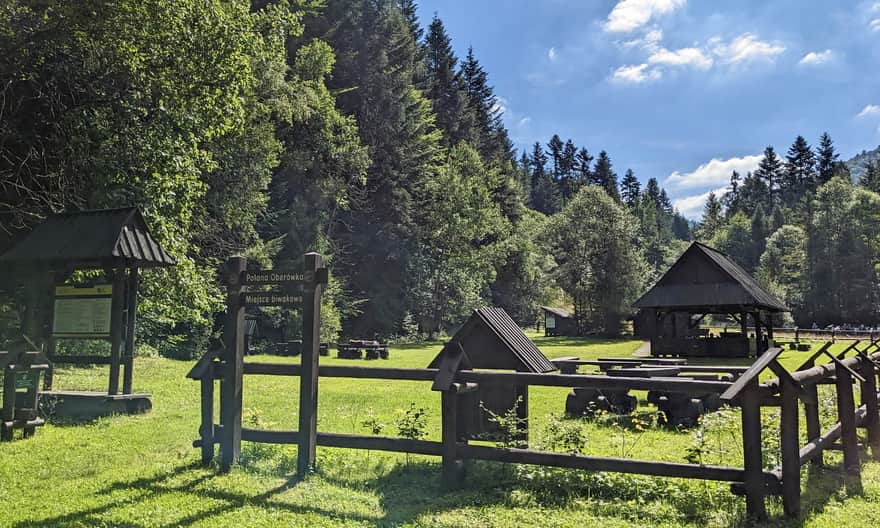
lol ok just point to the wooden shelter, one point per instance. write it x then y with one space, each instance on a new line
704 281
116 241
490 339
558 322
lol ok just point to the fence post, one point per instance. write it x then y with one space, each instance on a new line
869 399
206 430
752 455
116 328
811 413
308 382
452 467
231 384
789 439
846 412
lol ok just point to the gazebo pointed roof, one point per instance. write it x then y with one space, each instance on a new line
704 278
90 239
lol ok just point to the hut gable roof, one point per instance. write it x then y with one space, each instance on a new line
91 239
558 312
704 277
490 339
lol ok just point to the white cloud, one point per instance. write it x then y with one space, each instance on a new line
524 121
551 54
869 110
875 24
713 173
650 41
681 57
635 74
692 206
746 48
814 58
629 15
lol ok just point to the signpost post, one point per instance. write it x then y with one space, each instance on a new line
289 289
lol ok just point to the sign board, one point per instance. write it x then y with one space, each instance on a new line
273 277
26 380
82 311
272 299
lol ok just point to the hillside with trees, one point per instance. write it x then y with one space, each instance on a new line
346 127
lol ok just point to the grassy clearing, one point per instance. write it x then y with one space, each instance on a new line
141 471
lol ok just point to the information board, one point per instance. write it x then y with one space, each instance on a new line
82 311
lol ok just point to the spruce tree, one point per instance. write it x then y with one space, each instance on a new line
652 192
665 203
759 237
827 158
770 171
554 148
584 173
799 176
630 189
604 176
712 218
538 163
446 88
777 219
871 179
491 135
730 200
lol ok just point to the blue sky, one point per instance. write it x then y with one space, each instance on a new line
681 90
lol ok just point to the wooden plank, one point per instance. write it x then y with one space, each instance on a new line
116 329
451 358
308 386
684 386
846 415
206 430
814 427
752 454
811 361
130 329
80 360
872 414
789 436
452 467
350 441
617 465
290 279
231 385
751 375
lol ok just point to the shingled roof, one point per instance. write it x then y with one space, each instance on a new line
490 339
705 278
90 239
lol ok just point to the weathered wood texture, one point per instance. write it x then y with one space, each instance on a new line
231 385
308 385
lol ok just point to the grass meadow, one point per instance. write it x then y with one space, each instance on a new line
142 471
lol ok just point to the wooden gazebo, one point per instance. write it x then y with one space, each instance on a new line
116 241
704 281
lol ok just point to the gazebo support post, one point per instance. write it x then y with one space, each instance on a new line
130 326
116 328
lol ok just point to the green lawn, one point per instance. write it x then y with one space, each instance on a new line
141 471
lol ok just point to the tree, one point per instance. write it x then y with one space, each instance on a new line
491 136
598 263
871 179
455 263
373 242
731 199
652 191
568 180
712 220
827 158
446 89
799 176
752 194
735 239
554 147
604 176
783 267
844 252
760 231
582 166
630 189
770 171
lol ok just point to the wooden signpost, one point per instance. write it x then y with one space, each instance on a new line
290 289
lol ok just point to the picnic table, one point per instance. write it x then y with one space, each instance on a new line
361 348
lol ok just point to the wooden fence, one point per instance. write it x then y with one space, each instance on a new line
752 480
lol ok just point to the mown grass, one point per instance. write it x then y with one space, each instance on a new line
141 471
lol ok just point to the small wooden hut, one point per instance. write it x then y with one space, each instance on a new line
116 241
558 322
704 281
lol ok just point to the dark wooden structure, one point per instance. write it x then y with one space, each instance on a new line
116 241
362 348
704 281
454 376
22 368
558 322
490 339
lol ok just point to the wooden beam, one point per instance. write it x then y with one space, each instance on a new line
117 322
231 385
130 329
308 385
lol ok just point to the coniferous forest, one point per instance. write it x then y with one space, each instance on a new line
273 128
